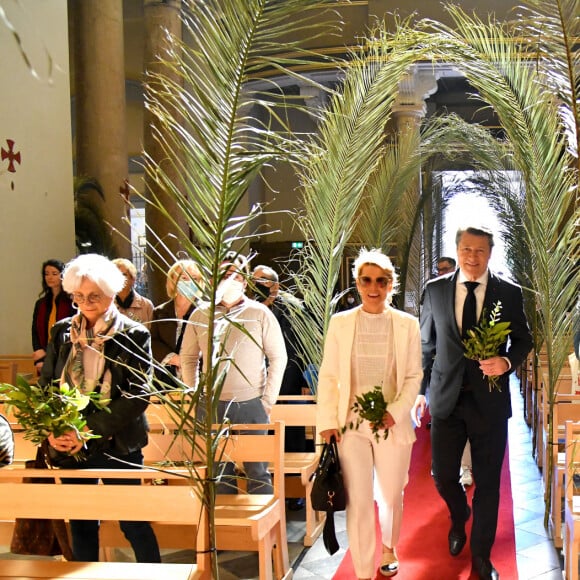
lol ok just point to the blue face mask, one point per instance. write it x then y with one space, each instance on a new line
189 289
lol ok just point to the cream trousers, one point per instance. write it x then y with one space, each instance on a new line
370 469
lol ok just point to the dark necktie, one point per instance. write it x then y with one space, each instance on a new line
469 319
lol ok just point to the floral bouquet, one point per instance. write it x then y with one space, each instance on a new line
484 340
371 407
56 409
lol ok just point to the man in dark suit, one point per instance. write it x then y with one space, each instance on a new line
462 404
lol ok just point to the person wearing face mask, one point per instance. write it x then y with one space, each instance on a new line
347 302
184 288
266 288
253 378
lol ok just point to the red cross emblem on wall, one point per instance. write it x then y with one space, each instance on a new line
12 156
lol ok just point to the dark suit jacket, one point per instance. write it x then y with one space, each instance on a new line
444 362
128 357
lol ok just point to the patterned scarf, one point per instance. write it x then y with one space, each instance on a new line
86 362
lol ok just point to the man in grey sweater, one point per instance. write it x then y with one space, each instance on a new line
253 357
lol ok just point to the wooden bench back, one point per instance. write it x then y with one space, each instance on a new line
172 504
295 411
8 371
566 408
572 431
24 363
169 446
30 499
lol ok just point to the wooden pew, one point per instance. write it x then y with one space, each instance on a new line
572 500
563 387
298 467
8 372
566 408
24 363
243 522
527 387
176 504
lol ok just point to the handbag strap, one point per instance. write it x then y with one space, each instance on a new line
333 450
329 454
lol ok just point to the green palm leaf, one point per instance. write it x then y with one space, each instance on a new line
219 121
510 68
341 160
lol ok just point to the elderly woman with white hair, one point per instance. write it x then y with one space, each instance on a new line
101 350
368 346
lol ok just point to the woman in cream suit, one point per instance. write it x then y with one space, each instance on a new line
370 345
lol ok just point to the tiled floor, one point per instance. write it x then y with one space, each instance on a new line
536 557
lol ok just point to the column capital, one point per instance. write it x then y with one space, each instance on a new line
415 86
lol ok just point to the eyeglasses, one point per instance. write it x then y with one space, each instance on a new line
90 299
382 281
263 281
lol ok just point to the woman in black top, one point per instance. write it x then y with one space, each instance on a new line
103 351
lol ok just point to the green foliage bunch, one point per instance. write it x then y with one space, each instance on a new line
484 340
371 407
56 409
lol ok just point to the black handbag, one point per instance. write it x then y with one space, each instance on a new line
328 493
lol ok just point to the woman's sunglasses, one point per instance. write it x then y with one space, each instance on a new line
382 281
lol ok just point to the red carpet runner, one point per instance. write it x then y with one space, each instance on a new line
423 552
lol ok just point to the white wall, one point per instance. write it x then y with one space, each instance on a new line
36 201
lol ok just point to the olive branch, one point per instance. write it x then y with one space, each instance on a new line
370 406
56 408
484 340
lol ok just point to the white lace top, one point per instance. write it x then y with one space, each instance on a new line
372 358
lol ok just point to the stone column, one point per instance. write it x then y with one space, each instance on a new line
101 132
409 110
163 243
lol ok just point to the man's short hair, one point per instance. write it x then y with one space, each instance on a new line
267 273
475 231
239 261
447 259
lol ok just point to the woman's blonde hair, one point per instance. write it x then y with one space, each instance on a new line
128 265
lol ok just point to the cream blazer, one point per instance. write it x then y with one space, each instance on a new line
333 394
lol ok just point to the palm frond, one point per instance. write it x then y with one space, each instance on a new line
340 162
382 217
552 28
218 122
497 63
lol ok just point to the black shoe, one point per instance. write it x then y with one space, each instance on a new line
457 539
483 569
457 536
296 504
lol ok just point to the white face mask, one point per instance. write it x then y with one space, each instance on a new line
229 291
